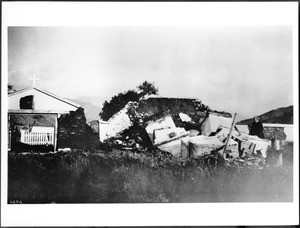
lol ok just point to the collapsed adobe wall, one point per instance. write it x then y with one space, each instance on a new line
151 109
73 132
154 106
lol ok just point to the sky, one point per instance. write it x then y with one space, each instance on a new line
243 69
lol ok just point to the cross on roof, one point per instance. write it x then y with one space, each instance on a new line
33 79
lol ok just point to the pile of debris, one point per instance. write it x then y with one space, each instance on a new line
196 135
135 138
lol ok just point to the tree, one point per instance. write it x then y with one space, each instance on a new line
119 101
147 88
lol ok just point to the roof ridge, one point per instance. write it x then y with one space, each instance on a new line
20 91
57 97
47 93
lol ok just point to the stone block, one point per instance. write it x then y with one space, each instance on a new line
213 122
173 147
184 117
261 145
193 133
162 123
164 135
202 145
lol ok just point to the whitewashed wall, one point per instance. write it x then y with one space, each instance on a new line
41 102
103 128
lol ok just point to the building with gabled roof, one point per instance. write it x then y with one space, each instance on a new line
39 100
33 117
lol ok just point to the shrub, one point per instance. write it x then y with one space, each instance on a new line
127 177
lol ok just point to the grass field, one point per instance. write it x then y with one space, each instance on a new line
127 177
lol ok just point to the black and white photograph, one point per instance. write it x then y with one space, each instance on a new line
133 115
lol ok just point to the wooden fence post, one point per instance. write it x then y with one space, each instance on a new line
230 133
55 132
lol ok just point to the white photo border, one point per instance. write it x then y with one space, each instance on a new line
148 14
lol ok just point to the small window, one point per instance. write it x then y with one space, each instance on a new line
26 102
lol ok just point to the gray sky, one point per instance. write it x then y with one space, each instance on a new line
247 70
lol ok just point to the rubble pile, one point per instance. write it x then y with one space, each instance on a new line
201 133
134 138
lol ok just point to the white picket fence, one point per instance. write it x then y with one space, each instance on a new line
38 136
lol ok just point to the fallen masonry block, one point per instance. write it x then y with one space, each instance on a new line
261 145
232 149
184 117
117 123
248 144
161 135
246 148
202 145
223 132
173 147
193 132
166 135
213 122
163 123
243 128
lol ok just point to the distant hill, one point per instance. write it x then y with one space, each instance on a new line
91 111
280 115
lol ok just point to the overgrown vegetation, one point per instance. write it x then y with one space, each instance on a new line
119 101
127 177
